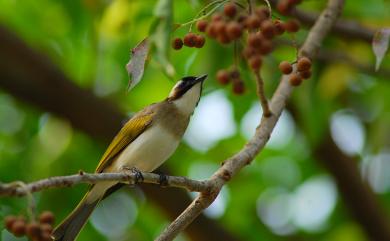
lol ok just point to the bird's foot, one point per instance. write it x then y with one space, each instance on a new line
163 180
138 174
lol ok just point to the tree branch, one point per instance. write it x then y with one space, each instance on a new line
11 189
346 28
232 165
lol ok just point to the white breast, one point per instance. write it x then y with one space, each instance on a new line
148 151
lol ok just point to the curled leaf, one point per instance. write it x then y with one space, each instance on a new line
380 44
136 65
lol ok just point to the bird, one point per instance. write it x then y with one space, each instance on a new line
144 142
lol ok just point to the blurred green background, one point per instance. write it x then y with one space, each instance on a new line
285 194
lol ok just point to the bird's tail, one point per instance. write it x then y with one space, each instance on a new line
70 227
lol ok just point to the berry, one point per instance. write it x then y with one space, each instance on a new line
303 64
46 217
242 19
18 228
285 67
255 62
294 2
216 17
46 228
46 237
234 30
238 87
223 38
220 27
262 13
211 31
190 39
201 25
295 79
248 52
33 230
199 41
267 29
235 74
223 77
284 7
230 9
254 40
305 74
253 22
278 27
292 26
265 47
9 221
177 43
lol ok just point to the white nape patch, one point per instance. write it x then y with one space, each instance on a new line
148 151
187 103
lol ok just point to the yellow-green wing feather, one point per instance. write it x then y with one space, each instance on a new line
130 131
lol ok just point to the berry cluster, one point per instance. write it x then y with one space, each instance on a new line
286 6
36 231
224 77
303 70
252 29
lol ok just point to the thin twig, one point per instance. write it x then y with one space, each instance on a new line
234 164
261 93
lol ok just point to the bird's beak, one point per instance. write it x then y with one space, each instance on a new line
200 79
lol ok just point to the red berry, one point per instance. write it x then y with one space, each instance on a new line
285 67
284 7
278 27
177 43
295 79
242 19
235 74
305 74
294 2
46 237
255 62
223 38
303 64
254 40
199 41
190 39
262 13
248 52
230 9
9 221
216 17
46 217
292 26
267 29
238 87
201 25
33 230
253 22
234 30
46 228
265 47
223 77
220 27
18 228
211 31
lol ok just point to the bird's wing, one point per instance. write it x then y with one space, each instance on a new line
129 132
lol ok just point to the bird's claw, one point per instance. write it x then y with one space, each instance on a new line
138 174
163 180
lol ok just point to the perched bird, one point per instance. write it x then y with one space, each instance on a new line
144 142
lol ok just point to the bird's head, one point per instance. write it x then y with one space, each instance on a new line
186 93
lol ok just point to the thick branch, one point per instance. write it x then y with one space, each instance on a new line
10 189
232 165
